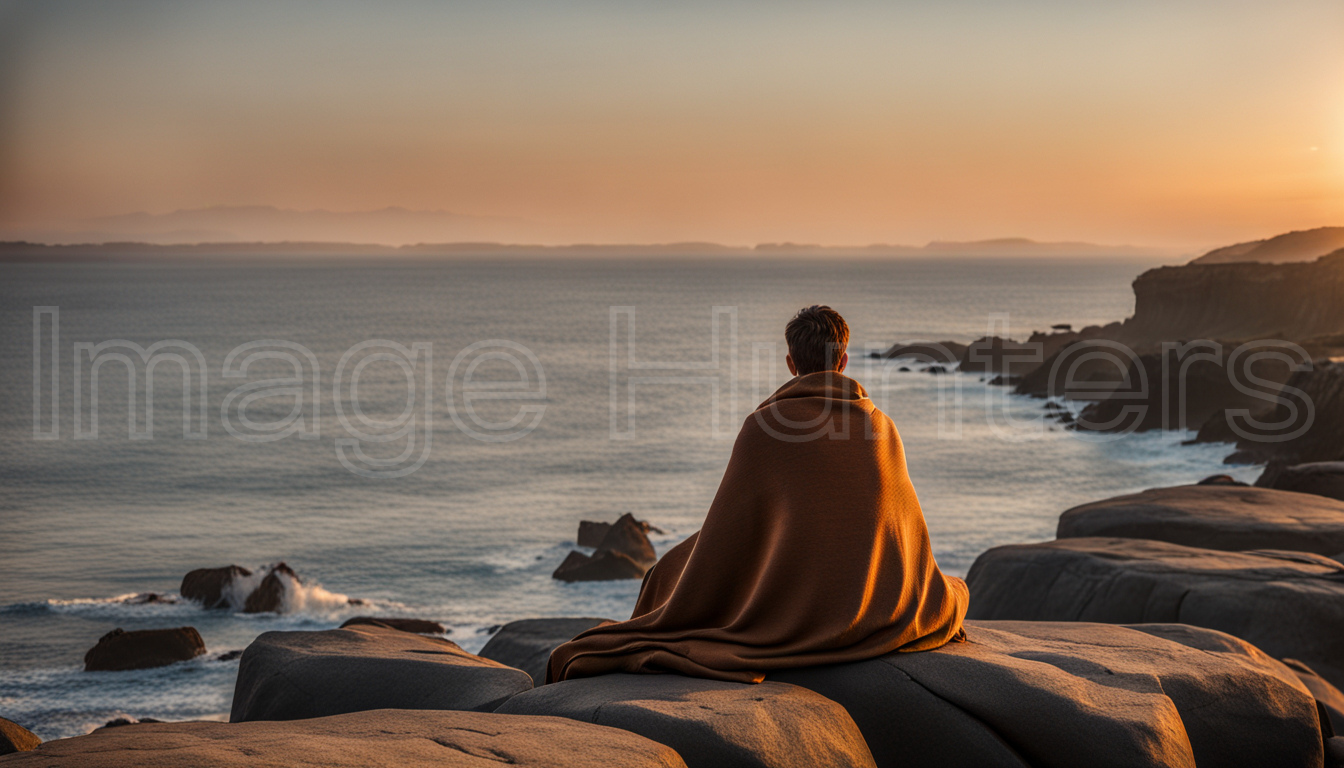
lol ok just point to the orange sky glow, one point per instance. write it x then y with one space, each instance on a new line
1173 124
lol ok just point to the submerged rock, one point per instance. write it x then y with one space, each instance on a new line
292 675
1289 604
1216 516
409 739
1035 695
414 626
926 351
527 644
16 738
143 648
601 566
710 723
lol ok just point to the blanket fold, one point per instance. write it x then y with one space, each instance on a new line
814 551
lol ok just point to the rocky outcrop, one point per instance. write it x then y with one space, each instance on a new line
527 644
1322 478
143 648
925 351
1025 694
993 356
624 552
408 739
1225 517
1081 370
1289 604
16 738
1238 301
210 586
1319 439
415 626
710 723
1303 245
1171 390
293 675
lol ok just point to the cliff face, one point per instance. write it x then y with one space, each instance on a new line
1304 245
1239 301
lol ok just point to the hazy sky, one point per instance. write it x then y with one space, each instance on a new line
1169 122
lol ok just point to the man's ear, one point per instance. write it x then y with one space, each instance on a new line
844 360
793 369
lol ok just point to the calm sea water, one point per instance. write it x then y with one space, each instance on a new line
471 536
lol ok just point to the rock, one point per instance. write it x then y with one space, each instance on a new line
416 626
408 739
292 675
591 533
143 648
527 644
1081 369
209 586
232 655
1334 752
120 721
1328 696
601 566
1322 478
624 552
269 596
1319 438
1223 517
927 351
904 369
935 369
1003 381
16 738
629 537
1172 391
1068 694
709 722
993 355
1222 480
1289 604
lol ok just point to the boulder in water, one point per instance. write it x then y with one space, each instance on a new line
710 723
16 738
623 552
527 644
269 596
1217 516
591 533
143 648
386 737
210 586
1289 604
293 675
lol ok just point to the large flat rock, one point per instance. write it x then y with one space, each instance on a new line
1044 695
710 722
1291 605
527 644
1215 517
406 739
291 675
1322 478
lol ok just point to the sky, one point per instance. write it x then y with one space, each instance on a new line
1180 123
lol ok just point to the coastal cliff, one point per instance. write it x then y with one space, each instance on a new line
1294 301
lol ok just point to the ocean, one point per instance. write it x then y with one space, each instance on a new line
498 403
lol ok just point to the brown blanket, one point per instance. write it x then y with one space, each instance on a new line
814 551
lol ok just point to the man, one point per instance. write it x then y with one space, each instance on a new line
814 551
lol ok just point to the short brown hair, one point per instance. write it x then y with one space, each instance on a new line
817 336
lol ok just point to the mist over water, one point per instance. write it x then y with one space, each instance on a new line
471 537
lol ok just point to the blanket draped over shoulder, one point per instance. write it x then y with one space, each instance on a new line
814 551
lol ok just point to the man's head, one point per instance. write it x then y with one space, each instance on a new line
817 338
